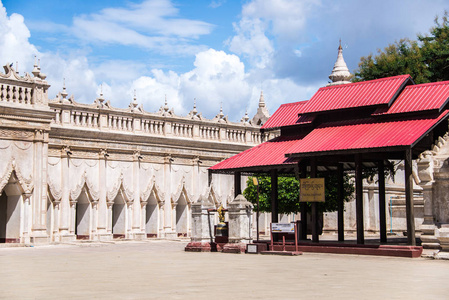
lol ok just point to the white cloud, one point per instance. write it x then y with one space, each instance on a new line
217 3
252 42
152 24
217 79
287 18
80 79
265 23
14 44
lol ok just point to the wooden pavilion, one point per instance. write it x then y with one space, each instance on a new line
349 127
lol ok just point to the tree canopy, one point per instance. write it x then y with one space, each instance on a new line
426 60
288 193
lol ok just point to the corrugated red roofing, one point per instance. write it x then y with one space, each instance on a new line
335 136
420 97
266 154
360 134
285 115
365 93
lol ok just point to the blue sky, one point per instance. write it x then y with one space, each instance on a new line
219 52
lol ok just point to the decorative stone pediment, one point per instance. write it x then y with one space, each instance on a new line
212 197
84 182
25 183
120 186
10 73
53 190
182 189
152 186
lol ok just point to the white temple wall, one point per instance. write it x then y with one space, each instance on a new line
92 170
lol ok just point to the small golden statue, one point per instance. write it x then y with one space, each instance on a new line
222 228
221 214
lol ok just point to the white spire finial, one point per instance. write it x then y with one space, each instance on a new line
133 104
166 108
340 73
246 118
194 111
221 114
35 71
261 100
64 91
101 98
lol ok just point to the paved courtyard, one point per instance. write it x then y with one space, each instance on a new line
160 269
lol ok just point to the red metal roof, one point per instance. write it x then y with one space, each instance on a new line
365 93
285 115
420 97
266 154
364 134
372 132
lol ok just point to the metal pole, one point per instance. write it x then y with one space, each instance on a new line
296 237
257 214
391 215
256 183
210 228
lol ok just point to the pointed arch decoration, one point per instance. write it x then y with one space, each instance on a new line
25 183
211 194
84 181
182 189
120 186
53 190
152 186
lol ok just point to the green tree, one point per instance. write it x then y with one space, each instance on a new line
288 193
426 60
435 50
403 57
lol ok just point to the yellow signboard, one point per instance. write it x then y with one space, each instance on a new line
311 190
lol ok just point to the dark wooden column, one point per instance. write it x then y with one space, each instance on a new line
315 235
209 177
274 196
382 216
409 207
237 184
303 205
341 204
359 199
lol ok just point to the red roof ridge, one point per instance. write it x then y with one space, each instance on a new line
295 103
366 82
427 84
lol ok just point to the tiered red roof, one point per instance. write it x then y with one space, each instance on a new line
389 123
353 95
285 115
420 97
268 153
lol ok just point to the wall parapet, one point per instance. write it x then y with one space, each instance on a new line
104 117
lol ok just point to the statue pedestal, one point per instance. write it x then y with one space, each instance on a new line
240 213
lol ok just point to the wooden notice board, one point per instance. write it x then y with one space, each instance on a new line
311 190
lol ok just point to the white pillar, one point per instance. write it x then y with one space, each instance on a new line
26 217
169 230
173 218
103 210
72 224
65 213
136 208
39 230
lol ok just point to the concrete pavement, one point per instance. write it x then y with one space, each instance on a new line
159 269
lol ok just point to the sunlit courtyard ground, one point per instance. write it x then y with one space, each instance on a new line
159 269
